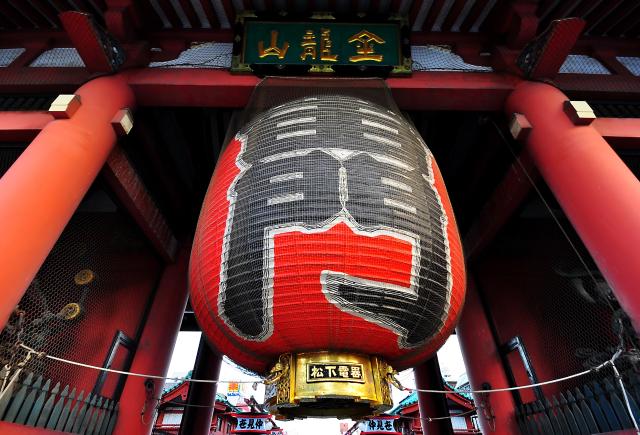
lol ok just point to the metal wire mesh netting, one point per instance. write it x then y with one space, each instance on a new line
441 58
337 182
554 315
87 303
274 91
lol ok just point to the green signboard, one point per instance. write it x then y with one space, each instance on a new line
321 45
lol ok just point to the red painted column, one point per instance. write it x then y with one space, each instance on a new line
429 377
43 188
596 190
197 420
496 412
153 354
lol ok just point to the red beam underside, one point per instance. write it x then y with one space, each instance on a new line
594 87
452 91
498 209
191 87
219 88
128 187
22 126
35 80
620 133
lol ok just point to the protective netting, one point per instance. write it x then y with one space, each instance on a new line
336 214
583 64
553 312
441 58
8 55
632 63
207 55
274 91
61 57
86 303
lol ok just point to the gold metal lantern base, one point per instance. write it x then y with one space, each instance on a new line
329 384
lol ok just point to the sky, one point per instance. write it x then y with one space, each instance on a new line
184 354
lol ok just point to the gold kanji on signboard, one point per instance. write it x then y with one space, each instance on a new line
308 45
273 49
325 46
365 42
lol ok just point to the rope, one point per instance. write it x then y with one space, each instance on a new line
610 362
522 387
140 375
220 381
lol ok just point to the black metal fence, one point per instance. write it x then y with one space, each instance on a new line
595 407
32 401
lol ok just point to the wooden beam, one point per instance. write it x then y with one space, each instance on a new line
132 193
22 126
503 203
218 88
620 133
543 56
89 42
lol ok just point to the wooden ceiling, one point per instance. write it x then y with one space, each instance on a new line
613 18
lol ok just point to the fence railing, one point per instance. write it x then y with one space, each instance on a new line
30 400
595 407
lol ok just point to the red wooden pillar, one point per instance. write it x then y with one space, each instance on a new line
197 420
429 377
496 412
153 354
43 188
596 190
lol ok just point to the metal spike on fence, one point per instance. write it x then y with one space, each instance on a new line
634 382
571 419
543 419
595 407
553 418
113 419
81 413
532 423
12 413
562 419
74 412
617 404
48 407
89 416
522 420
577 414
592 426
66 410
28 402
100 421
107 418
608 410
37 406
57 409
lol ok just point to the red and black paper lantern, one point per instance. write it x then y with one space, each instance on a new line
327 226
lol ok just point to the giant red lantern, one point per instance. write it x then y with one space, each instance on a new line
327 227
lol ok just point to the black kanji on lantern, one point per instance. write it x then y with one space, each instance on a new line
367 167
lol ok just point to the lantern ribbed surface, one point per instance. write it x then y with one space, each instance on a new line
327 226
